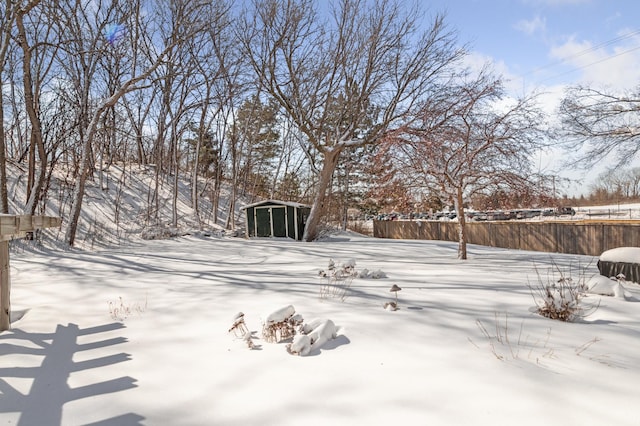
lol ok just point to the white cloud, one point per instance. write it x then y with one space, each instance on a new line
532 26
548 99
617 67
475 62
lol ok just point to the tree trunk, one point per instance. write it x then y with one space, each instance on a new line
5 287
345 200
462 226
215 196
214 202
5 39
142 157
4 199
176 181
34 120
78 194
330 162
194 180
235 152
31 167
230 223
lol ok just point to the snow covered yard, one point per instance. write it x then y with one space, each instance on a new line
139 335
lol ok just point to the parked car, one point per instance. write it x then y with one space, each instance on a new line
565 210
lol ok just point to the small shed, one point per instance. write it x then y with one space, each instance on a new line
273 218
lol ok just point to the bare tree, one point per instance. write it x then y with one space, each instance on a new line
213 53
86 26
601 124
344 81
138 107
219 64
634 180
616 183
36 63
470 138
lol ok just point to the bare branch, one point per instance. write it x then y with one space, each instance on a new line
601 125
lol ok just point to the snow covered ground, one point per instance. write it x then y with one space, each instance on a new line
139 335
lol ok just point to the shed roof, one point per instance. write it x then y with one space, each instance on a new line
277 202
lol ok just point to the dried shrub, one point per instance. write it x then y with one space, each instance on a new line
277 332
506 344
121 310
559 296
337 279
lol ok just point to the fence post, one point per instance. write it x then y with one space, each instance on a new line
5 287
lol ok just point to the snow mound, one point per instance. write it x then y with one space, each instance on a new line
621 254
377 274
303 344
603 286
280 315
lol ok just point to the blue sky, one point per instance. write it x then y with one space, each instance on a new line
552 42
547 45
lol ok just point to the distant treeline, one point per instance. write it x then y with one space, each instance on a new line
615 185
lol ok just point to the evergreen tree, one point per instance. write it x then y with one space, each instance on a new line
255 132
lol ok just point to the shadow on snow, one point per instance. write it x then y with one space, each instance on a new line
43 404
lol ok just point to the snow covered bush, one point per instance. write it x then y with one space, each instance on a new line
238 326
376 275
337 279
281 324
301 345
559 296
613 286
321 333
285 324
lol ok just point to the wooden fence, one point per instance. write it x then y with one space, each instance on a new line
575 237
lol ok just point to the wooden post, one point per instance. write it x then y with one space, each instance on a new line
5 287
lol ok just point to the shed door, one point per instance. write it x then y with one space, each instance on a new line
263 222
279 221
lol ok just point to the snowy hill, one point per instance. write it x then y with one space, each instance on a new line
119 206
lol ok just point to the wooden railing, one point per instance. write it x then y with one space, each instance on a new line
11 227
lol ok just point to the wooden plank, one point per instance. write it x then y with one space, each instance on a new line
41 222
8 224
14 226
9 237
25 223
